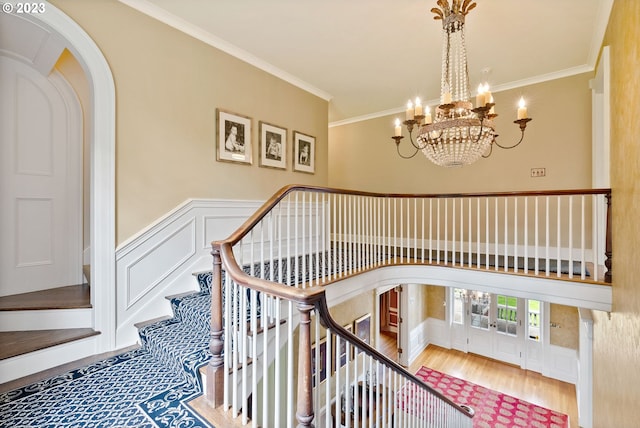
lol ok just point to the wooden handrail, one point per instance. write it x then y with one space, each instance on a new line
252 221
329 323
308 295
312 297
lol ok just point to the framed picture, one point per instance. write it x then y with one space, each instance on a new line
342 352
234 138
273 146
362 328
320 377
304 153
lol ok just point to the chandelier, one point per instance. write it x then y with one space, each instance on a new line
459 134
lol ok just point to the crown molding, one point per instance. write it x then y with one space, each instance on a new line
585 68
148 8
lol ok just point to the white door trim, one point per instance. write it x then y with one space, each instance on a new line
101 117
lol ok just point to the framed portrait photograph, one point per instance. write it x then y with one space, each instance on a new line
273 146
304 153
234 138
342 356
362 328
321 374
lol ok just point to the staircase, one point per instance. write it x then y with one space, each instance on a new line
170 352
43 329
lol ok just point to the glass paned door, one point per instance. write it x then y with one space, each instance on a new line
480 339
507 315
480 309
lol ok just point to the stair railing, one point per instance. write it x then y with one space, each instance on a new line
305 237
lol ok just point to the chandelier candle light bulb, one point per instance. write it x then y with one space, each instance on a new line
480 99
398 129
427 117
488 98
418 110
409 114
522 109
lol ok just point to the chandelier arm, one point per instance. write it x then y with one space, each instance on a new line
415 152
515 145
490 150
479 133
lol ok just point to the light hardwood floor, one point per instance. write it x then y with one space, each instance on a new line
508 379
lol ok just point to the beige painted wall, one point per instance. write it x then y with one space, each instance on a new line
616 356
566 333
417 311
168 86
363 156
436 296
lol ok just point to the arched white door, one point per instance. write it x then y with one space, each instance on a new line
40 180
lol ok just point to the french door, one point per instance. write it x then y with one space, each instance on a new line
497 326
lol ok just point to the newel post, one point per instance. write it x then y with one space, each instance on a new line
608 247
304 411
215 368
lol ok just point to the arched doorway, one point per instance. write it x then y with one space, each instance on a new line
58 28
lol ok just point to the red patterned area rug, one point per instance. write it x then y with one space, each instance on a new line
492 409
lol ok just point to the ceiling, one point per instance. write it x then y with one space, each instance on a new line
368 57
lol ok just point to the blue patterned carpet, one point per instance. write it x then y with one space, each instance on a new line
146 387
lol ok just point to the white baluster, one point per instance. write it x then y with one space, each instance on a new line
515 233
496 234
422 238
570 237
546 262
453 238
438 233
582 240
558 241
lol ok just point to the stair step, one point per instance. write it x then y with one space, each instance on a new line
61 369
260 329
143 324
215 416
69 297
180 295
14 343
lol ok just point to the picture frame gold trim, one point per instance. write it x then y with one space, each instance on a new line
233 142
273 147
304 152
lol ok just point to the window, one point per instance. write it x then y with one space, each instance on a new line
507 315
533 325
458 305
480 303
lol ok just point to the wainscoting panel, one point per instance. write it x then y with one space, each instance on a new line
561 363
156 264
418 339
160 260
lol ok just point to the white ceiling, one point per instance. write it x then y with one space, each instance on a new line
369 56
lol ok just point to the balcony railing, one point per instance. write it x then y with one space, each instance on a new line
269 280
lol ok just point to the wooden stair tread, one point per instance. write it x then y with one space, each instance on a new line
13 343
216 416
69 297
142 324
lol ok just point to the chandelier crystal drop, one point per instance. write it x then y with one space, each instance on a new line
459 134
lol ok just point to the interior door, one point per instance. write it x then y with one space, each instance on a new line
40 180
480 321
508 327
